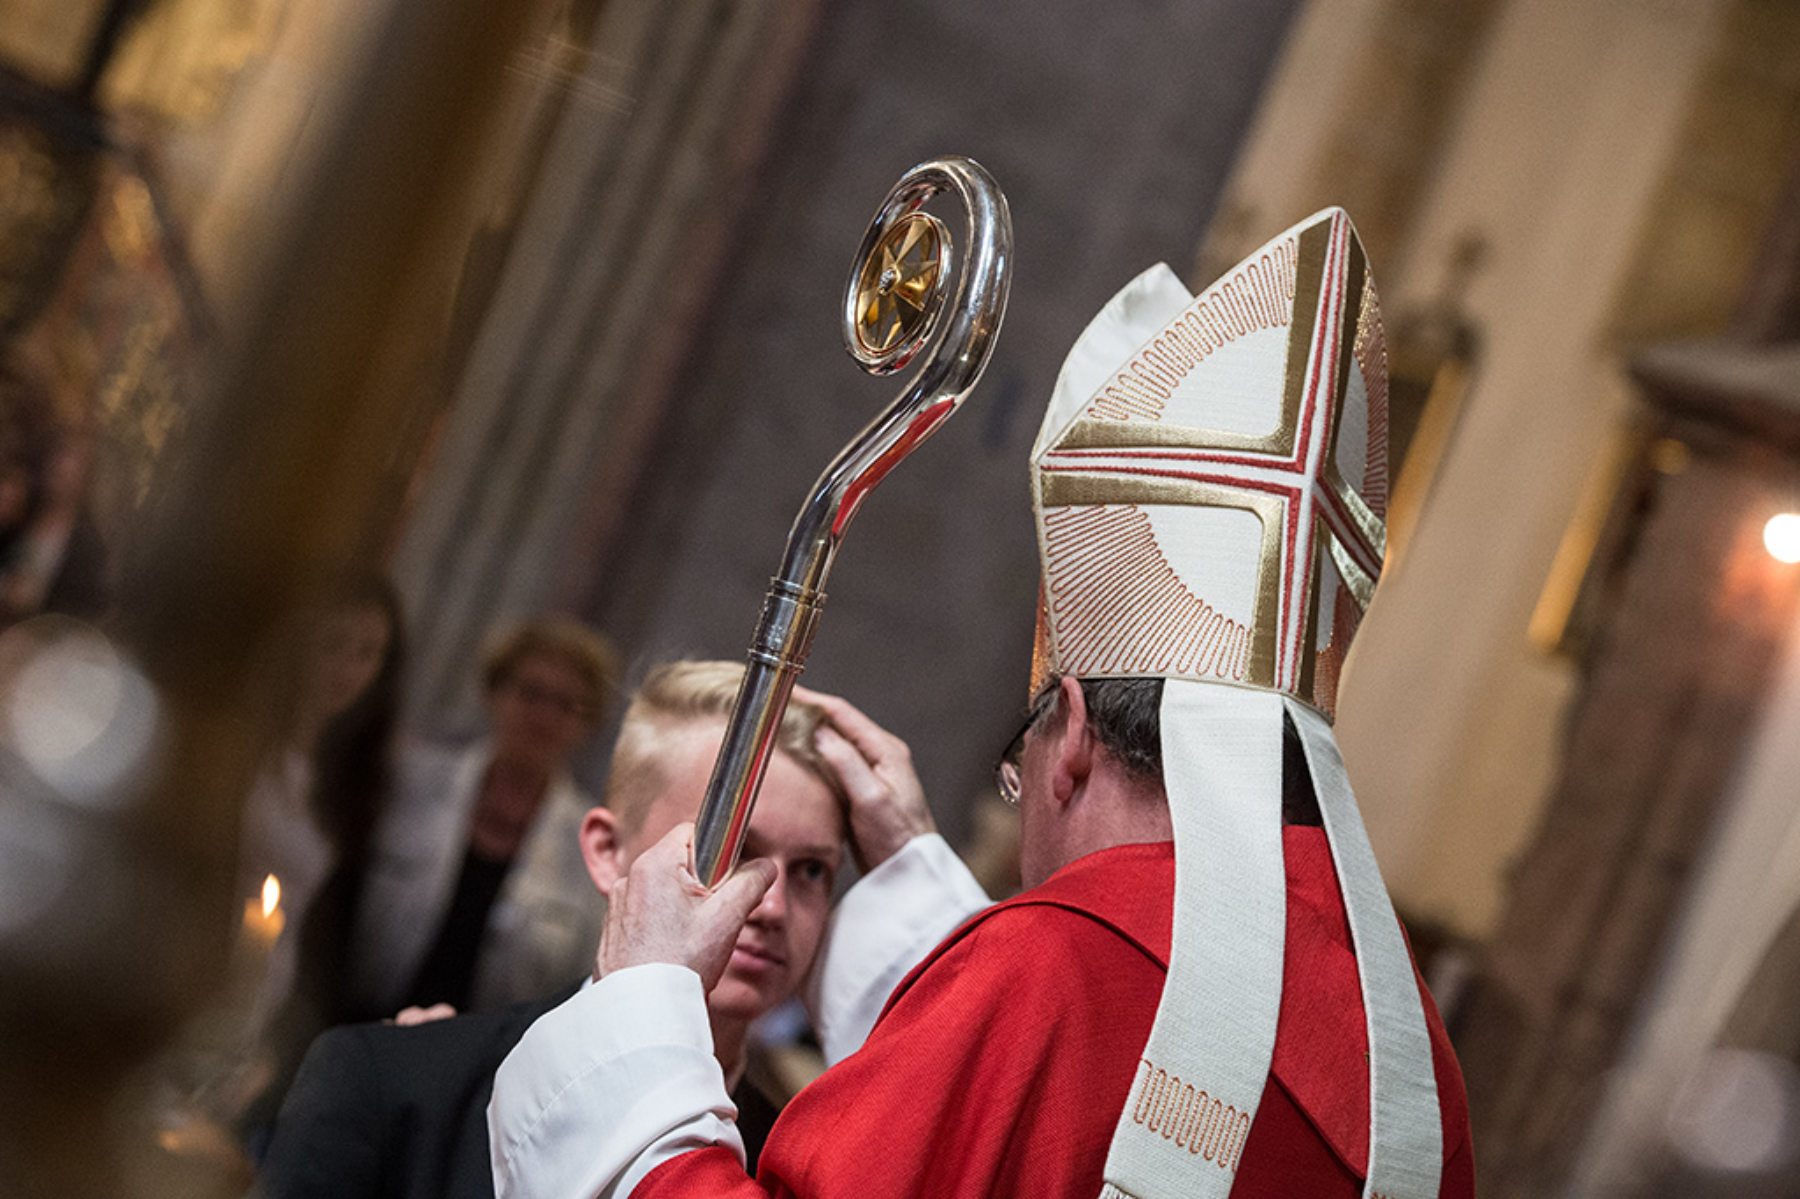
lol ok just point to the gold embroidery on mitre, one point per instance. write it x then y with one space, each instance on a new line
1258 295
1123 623
1355 274
1357 289
1360 582
1328 663
1322 666
1309 636
1189 1118
1124 610
1303 258
1158 627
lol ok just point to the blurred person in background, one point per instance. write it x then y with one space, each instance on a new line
318 798
386 1110
303 850
474 897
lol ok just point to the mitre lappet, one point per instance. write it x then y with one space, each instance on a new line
1209 485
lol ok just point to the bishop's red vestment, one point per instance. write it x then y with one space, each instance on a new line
1003 1061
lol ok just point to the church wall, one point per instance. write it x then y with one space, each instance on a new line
580 305
1747 894
1621 165
1566 120
1110 140
1672 687
1574 124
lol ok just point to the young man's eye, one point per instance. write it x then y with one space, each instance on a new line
813 871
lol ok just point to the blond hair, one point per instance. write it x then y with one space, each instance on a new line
676 695
567 640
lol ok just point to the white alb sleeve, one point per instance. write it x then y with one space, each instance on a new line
883 927
606 1087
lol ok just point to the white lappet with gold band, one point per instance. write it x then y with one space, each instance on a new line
1209 485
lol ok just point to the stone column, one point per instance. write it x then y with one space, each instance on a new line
647 167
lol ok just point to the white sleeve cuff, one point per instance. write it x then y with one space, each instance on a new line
883 927
606 1087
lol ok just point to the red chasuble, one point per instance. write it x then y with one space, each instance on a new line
1001 1064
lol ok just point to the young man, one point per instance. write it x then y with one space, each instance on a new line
1204 990
383 1110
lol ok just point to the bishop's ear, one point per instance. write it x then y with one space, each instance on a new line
1073 742
600 849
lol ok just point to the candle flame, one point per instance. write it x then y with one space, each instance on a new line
271 896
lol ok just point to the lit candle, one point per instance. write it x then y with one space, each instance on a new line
263 917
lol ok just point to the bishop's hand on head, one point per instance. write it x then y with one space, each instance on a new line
660 912
875 770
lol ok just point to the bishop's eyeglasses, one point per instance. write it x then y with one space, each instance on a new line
1007 777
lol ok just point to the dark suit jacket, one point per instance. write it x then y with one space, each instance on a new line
383 1112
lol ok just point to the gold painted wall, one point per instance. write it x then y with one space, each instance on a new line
231 96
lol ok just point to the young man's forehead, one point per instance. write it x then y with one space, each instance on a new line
822 845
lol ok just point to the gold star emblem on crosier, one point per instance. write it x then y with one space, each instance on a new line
897 283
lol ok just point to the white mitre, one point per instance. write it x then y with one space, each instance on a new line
1209 484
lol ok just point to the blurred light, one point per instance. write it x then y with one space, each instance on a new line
1737 1115
37 860
1781 537
1669 456
271 895
79 715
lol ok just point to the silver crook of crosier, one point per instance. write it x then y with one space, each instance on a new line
895 309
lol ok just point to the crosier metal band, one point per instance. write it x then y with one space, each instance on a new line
895 308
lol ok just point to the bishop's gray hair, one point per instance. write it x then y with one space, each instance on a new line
1126 717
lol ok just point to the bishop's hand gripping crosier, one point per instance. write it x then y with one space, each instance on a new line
896 310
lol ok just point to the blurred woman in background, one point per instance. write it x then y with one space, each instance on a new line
303 854
310 818
474 897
